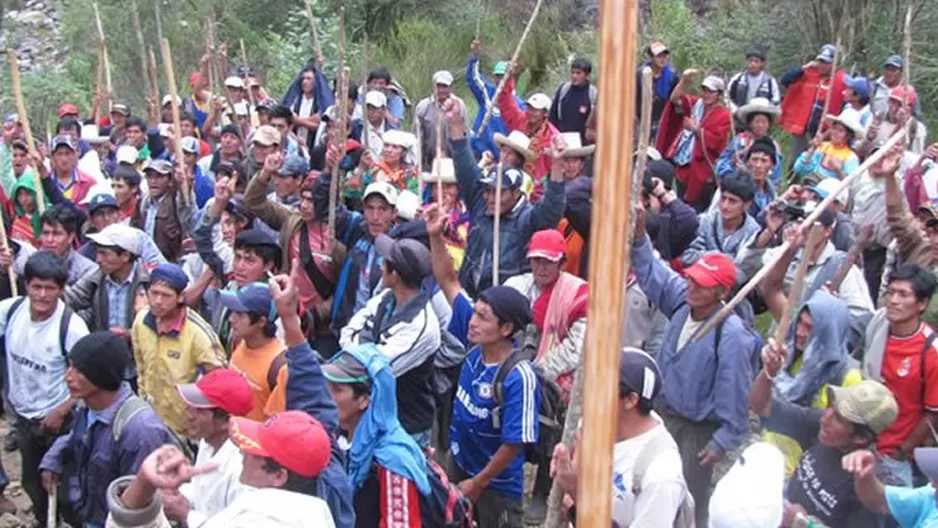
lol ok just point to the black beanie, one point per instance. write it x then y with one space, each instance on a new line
102 358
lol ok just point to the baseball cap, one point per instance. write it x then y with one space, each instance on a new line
234 82
409 258
254 238
443 77
266 135
384 189
899 94
293 439
501 68
127 154
224 389
121 109
294 165
894 61
64 140
547 244
376 99
117 235
101 200
639 373
712 270
755 51
867 403
827 53
168 98
713 83
253 298
657 48
859 85
931 208
511 178
189 145
345 368
539 101
68 109
825 187
160 166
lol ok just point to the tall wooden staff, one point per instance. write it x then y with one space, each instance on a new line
479 16
99 82
171 82
514 60
107 63
141 44
313 33
794 294
366 135
154 75
341 134
252 113
644 125
813 217
4 246
496 239
24 120
906 67
612 212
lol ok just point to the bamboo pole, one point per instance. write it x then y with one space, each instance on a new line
644 125
568 438
154 75
757 278
496 240
24 120
906 67
514 60
252 114
313 33
612 213
830 87
171 82
341 135
437 169
418 129
5 246
143 52
52 506
479 16
107 63
366 134
159 20
99 82
794 295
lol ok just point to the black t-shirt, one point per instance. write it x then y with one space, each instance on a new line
819 485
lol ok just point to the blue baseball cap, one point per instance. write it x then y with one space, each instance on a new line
294 165
253 298
827 53
895 61
511 178
101 200
860 86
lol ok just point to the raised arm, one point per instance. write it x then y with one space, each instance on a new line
512 115
760 397
440 259
870 491
255 196
663 287
772 286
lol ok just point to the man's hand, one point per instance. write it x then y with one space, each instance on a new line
48 480
688 74
334 156
52 422
560 146
120 332
710 455
902 116
790 512
453 112
690 124
795 234
6 258
224 189
475 48
793 193
639 233
168 468
775 217
435 220
773 357
812 64
833 164
283 290
860 463
873 130
563 468
273 163
470 489
9 133
515 69
175 505
366 162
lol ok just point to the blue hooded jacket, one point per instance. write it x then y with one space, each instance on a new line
484 92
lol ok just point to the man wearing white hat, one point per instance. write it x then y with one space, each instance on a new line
428 112
533 123
234 87
453 208
373 121
166 108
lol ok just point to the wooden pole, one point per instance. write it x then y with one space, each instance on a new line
612 213
830 87
154 75
767 266
366 135
317 47
906 67
143 52
794 295
171 82
479 16
252 114
52 506
418 129
107 63
5 245
644 125
341 135
24 120
496 242
514 60
99 82
568 438
437 169
159 20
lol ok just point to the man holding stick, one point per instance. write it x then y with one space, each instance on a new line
428 111
706 378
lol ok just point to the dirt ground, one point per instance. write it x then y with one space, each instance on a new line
11 463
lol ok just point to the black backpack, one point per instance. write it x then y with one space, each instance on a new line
445 506
64 323
551 413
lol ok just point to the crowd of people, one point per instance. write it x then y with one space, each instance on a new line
234 338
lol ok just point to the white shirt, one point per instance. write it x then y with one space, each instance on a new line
306 110
259 508
36 363
690 328
662 486
210 493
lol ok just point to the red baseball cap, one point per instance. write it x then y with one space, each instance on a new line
225 389
68 109
548 244
195 78
899 94
712 270
293 439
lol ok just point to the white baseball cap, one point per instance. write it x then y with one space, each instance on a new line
376 99
117 235
539 101
443 77
169 98
190 144
127 154
385 190
234 82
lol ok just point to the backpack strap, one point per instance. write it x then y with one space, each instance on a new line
323 285
646 457
929 341
16 304
498 385
131 407
593 94
274 370
64 323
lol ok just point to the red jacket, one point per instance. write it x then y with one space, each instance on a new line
800 96
713 137
81 186
515 119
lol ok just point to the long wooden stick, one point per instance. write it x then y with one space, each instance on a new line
154 74
479 16
366 134
906 67
312 31
159 20
514 60
99 83
340 133
568 438
52 506
4 246
644 125
830 87
496 239
24 120
171 82
252 113
107 63
141 44
813 217
418 129
612 212
794 295
437 169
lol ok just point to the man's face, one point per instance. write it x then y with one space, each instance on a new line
164 301
73 132
545 272
579 77
891 75
378 84
79 387
442 92
241 325
235 95
307 206
839 134
710 97
902 305
375 114
932 232
509 156
509 199
43 294
760 165
104 217
803 329
230 227
119 120
572 167
754 65
535 117
892 109
64 160
824 68
484 328
110 261
55 239
157 184
286 186
262 151
700 297
392 154
26 201
349 406
123 192
187 128
166 113
230 144
201 423
20 161
450 196
379 215
135 136
759 125
661 60
307 83
732 207
836 431
249 267
254 473
281 125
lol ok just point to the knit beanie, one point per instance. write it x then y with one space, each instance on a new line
102 358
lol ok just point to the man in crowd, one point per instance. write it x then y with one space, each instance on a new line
898 114
379 80
484 92
229 149
110 436
126 185
308 109
664 80
519 218
172 344
37 338
373 122
73 182
672 225
882 87
914 507
753 82
288 181
574 100
728 228
533 122
806 90
428 111
60 227
166 214
281 118
706 378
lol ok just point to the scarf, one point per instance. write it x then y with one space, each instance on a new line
536 146
379 436
687 140
457 226
399 178
558 306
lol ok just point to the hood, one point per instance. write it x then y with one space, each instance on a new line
27 183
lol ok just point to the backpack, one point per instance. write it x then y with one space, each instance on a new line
551 414
445 506
133 406
64 323
565 89
685 513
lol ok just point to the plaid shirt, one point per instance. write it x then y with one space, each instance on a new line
117 299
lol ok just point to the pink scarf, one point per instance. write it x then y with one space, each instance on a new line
554 312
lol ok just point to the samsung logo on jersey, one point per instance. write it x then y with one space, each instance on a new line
463 398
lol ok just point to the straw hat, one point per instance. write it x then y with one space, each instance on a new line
758 105
575 148
850 120
447 171
518 142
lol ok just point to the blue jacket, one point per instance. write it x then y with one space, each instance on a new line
515 230
484 91
306 391
726 164
698 382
